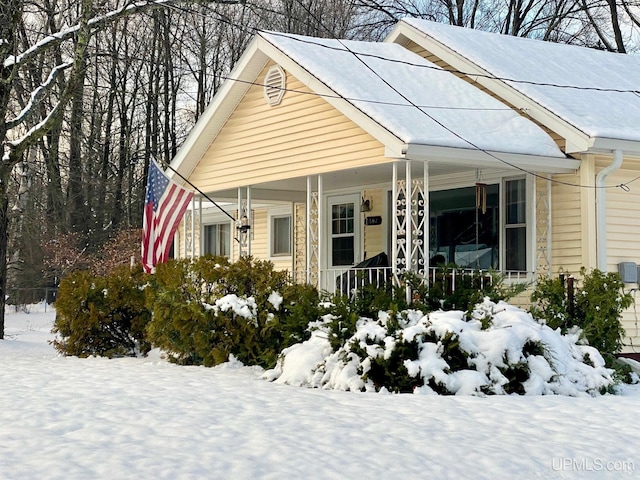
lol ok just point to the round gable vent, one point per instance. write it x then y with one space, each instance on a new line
274 84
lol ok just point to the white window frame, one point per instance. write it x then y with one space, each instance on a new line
217 219
498 177
528 221
331 200
272 214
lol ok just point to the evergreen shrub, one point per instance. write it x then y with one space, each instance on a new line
495 349
208 309
102 315
595 307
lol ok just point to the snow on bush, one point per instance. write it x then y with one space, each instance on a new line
499 349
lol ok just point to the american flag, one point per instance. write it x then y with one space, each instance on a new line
165 204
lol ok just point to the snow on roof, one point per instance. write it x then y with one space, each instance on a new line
388 83
597 113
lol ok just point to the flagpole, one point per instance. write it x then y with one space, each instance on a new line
199 191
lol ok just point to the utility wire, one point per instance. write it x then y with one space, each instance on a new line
309 40
623 186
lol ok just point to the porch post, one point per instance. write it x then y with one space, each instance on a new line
193 227
321 222
250 220
238 219
309 232
409 217
200 233
427 219
542 221
312 261
394 222
184 236
401 220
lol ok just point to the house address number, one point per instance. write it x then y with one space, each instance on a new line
376 220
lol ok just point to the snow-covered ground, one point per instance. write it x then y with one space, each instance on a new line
70 418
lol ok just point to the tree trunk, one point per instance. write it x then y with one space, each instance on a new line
4 239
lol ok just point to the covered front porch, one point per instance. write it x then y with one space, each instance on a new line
343 229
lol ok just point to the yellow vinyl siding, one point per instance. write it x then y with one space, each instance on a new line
623 214
623 234
566 225
374 235
304 135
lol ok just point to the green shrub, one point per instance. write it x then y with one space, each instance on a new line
596 307
208 309
102 315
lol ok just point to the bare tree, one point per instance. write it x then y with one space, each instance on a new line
53 39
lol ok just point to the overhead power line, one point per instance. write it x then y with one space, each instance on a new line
359 55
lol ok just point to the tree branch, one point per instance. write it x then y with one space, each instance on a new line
37 95
94 23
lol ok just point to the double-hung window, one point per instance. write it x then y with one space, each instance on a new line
515 225
217 239
280 235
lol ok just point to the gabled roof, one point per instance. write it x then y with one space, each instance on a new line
588 96
401 99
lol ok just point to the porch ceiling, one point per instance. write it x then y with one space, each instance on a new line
294 189
442 161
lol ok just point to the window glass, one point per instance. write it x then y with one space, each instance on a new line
462 233
281 235
342 234
342 218
217 239
342 250
515 225
516 249
515 201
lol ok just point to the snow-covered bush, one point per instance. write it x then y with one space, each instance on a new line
498 349
102 315
208 309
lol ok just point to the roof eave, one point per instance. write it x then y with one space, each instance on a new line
485 159
608 145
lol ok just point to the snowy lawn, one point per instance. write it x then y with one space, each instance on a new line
70 418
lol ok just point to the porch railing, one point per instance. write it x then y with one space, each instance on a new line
347 281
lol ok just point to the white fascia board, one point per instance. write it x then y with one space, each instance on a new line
364 121
218 111
484 159
575 138
608 145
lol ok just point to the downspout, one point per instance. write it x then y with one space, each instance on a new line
601 210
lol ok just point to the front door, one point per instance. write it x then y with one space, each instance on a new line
343 215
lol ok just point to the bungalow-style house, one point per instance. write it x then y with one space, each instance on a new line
439 145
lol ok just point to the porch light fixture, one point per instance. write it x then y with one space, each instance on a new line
244 224
365 206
